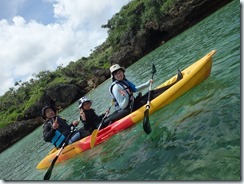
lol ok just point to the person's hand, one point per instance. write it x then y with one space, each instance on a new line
81 111
151 81
122 92
75 123
82 114
55 124
107 111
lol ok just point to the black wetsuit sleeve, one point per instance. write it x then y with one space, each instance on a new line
86 125
48 132
101 117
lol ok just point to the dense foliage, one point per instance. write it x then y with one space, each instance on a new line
133 16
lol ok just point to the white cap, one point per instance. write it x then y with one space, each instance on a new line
82 100
115 67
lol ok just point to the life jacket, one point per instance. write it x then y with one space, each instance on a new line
60 133
128 87
58 139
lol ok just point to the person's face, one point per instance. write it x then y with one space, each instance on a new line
118 75
86 105
49 113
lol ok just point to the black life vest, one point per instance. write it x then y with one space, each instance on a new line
60 133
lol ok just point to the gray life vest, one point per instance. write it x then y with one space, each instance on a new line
128 90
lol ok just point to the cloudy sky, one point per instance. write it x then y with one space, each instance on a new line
38 35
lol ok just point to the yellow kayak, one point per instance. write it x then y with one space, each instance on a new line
192 76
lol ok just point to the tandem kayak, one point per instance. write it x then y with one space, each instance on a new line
192 76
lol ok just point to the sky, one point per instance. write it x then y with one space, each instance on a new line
39 35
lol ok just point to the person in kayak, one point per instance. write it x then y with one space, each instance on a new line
88 116
56 129
122 91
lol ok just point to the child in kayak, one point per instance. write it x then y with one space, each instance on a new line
88 116
56 129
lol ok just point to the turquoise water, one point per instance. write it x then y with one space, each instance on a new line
197 137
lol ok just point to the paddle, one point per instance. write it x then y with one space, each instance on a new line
146 121
95 132
49 171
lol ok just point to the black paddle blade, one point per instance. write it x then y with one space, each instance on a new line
153 69
146 122
49 171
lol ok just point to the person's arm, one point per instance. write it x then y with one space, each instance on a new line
85 120
142 86
100 117
82 115
121 96
74 123
48 132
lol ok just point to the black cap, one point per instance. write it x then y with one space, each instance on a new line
44 110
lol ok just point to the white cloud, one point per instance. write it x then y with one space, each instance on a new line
29 47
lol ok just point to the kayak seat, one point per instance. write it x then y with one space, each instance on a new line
179 76
142 100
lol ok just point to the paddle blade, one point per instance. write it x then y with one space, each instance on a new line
146 122
49 171
153 69
93 138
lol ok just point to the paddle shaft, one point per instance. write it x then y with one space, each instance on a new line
149 91
49 171
106 114
149 95
146 121
95 132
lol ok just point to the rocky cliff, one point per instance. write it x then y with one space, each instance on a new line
180 17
